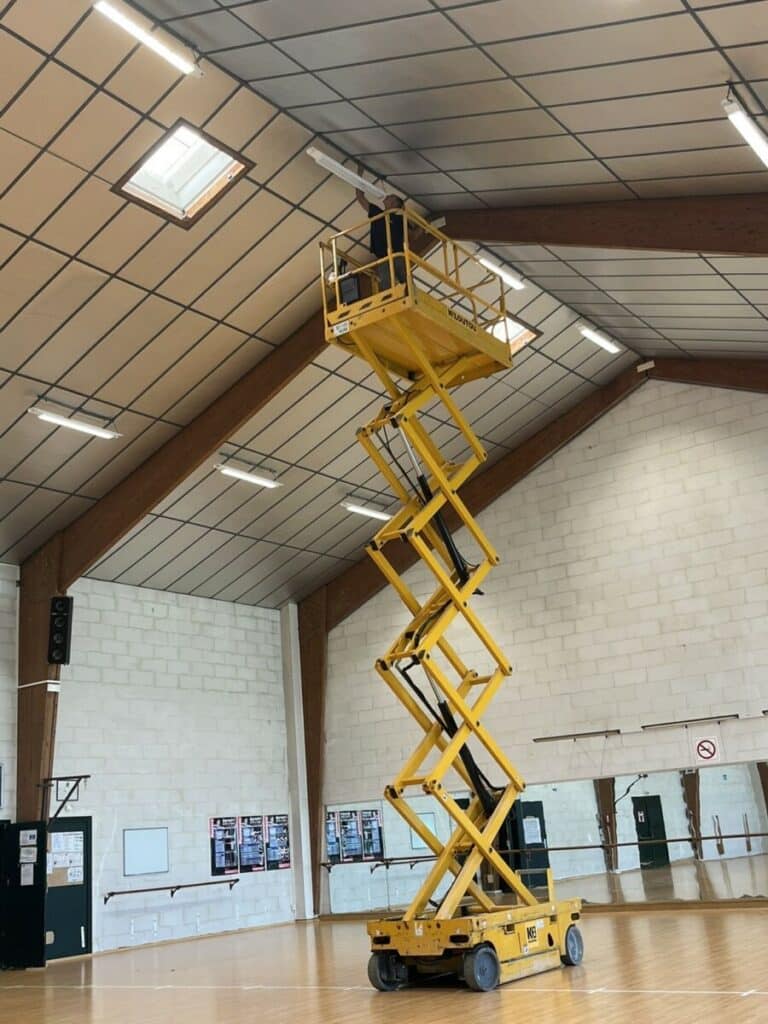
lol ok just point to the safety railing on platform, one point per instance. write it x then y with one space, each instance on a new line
429 261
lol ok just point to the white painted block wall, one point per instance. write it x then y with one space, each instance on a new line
633 590
174 706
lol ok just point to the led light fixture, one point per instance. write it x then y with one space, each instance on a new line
599 339
72 423
143 36
749 130
366 510
510 279
323 160
259 479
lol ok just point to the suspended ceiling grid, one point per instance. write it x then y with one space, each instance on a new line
108 308
506 101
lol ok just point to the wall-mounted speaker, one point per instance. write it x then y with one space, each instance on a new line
60 631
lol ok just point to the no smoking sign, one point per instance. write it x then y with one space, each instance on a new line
706 749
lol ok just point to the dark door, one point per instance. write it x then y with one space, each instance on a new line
525 833
68 908
22 894
649 822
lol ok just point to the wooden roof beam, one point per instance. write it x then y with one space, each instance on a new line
735 224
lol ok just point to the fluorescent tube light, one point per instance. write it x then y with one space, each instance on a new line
599 339
259 479
506 275
749 130
366 510
147 38
323 160
82 426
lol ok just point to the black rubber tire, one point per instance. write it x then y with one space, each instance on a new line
574 947
482 971
381 972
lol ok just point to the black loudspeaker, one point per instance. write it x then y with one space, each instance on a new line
60 632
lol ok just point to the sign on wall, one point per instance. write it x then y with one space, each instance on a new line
224 850
278 842
706 749
332 843
373 840
351 836
250 829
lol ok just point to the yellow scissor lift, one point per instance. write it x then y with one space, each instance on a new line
427 325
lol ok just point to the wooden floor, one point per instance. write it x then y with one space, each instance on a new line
663 967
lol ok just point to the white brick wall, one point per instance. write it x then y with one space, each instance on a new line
633 589
174 706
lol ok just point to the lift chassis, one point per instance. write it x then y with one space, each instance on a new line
424 328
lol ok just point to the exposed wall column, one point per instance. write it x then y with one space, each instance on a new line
605 794
313 646
36 722
689 779
301 850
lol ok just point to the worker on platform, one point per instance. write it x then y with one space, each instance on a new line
378 239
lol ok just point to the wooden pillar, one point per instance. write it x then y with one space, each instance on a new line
313 648
689 779
36 724
605 794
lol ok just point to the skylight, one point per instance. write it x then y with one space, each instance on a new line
511 331
183 174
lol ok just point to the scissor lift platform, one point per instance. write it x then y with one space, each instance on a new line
444 323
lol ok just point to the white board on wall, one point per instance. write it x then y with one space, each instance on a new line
145 851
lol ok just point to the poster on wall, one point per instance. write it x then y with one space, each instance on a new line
224 852
351 836
373 840
278 842
332 845
250 829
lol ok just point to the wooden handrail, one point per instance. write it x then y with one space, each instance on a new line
172 889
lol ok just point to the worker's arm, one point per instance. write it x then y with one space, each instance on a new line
359 194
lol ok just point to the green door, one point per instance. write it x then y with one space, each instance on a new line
649 822
68 904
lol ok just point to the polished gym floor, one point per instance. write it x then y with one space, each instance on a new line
658 966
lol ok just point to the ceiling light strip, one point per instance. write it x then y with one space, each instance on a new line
344 173
146 38
366 510
510 279
599 339
73 423
748 128
260 479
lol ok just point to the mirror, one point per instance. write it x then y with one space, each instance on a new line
695 834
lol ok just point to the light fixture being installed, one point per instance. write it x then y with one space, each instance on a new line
599 339
182 175
510 279
749 130
72 423
329 164
143 36
260 479
365 510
